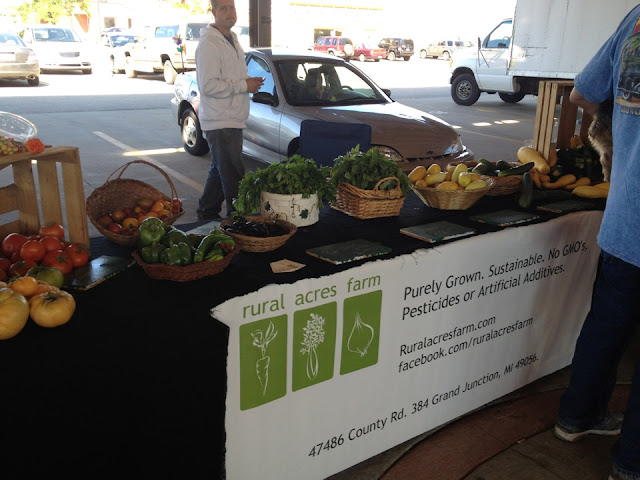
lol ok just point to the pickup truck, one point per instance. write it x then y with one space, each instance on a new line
156 50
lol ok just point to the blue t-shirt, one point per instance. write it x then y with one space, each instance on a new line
615 72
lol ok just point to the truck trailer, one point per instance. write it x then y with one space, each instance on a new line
544 40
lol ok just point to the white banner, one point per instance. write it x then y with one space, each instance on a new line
327 372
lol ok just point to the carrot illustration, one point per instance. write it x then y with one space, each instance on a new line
262 340
313 336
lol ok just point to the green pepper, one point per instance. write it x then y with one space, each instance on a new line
151 230
194 239
151 253
165 239
214 255
209 242
178 254
177 236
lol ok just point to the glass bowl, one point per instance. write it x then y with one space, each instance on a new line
16 127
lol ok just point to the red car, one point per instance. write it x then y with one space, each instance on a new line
365 52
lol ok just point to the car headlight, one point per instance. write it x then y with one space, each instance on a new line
390 153
456 146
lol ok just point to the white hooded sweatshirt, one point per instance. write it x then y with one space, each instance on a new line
222 72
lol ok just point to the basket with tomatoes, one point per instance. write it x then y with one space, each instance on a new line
118 207
20 253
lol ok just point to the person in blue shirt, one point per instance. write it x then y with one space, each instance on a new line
613 73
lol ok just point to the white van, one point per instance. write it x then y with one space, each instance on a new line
57 48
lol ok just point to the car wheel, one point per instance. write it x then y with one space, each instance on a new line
170 73
348 50
406 59
34 82
511 97
362 58
446 56
423 54
192 139
87 71
391 56
128 68
464 90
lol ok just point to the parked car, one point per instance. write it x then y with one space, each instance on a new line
17 61
114 44
397 48
57 48
442 49
156 50
338 46
316 86
367 52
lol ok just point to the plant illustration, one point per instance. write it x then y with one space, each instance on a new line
360 337
313 336
262 340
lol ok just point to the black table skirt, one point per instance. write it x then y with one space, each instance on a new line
134 385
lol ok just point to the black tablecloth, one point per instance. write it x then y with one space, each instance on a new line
134 385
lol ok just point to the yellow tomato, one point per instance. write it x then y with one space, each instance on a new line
52 309
14 312
25 286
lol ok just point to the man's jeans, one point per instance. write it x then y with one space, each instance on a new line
227 169
615 310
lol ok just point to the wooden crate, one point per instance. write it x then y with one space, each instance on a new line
554 95
35 210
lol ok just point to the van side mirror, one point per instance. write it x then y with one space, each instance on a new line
387 92
479 43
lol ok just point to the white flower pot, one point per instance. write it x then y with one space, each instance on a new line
292 208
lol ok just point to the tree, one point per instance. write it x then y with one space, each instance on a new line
52 10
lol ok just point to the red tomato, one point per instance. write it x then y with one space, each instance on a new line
3 276
32 250
58 259
52 230
34 237
176 205
78 254
115 227
15 257
52 243
20 268
12 243
5 263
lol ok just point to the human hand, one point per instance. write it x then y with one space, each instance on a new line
254 84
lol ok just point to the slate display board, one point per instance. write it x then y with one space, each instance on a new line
349 251
96 271
437 231
504 218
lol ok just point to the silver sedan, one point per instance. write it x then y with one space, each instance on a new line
17 61
313 86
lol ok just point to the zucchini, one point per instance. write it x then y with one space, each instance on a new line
502 165
481 169
491 165
519 170
526 195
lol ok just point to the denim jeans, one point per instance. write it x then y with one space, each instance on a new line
609 325
227 169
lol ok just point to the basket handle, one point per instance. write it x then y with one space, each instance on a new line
397 187
120 170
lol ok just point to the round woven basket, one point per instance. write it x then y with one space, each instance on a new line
502 185
364 204
260 244
161 271
118 192
452 199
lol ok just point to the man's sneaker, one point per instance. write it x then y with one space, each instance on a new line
610 425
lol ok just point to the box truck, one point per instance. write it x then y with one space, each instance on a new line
544 40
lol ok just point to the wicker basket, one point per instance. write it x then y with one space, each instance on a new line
452 199
260 244
120 192
161 271
365 204
502 185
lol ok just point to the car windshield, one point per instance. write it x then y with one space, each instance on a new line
317 83
10 39
119 40
55 35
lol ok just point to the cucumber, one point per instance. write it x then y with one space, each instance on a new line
519 170
526 195
481 169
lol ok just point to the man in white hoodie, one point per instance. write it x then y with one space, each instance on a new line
224 107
